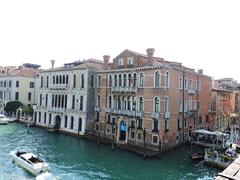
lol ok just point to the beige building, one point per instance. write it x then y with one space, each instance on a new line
147 101
18 84
66 97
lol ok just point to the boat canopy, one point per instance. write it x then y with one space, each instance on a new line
213 133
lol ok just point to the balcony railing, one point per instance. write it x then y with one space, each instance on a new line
167 115
191 91
124 89
155 115
59 86
97 109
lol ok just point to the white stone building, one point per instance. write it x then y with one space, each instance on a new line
65 99
18 84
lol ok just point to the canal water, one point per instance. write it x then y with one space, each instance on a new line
72 159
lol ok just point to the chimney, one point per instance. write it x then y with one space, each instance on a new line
150 53
106 61
200 71
52 62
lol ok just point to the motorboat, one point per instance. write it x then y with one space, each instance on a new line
197 156
30 162
3 119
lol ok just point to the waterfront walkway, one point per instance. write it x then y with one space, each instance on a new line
232 172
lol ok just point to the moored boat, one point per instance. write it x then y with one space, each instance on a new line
30 162
3 120
197 156
218 159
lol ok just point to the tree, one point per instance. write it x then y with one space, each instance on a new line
12 106
28 110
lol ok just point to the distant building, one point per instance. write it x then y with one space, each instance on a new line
142 99
17 84
66 97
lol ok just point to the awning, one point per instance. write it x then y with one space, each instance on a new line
233 115
216 133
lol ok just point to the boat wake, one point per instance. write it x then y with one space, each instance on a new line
46 176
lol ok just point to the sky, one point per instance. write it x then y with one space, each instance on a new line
202 34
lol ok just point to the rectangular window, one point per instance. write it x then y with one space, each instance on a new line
29 96
180 83
17 83
133 124
132 135
185 83
155 125
155 140
130 60
165 125
31 85
139 136
16 96
120 62
178 124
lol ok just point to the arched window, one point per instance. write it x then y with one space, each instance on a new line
50 118
82 81
41 81
55 100
63 80
129 80
52 100
73 101
119 102
56 79
166 104
128 103
110 101
80 124
60 79
134 103
40 100
66 79
110 81
157 79
62 101
167 79
65 101
141 80
99 81
74 80
53 79
115 80
81 103
45 118
98 101
59 100
141 104
47 81
134 80
72 122
92 81
156 104
124 80
46 100
120 80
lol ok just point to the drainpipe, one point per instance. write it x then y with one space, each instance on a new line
183 103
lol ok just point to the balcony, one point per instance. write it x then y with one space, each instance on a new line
124 89
59 86
139 114
167 115
155 115
97 109
191 91
109 110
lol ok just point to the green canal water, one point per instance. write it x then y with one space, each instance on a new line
70 158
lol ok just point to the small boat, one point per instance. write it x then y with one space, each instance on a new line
197 156
3 120
30 162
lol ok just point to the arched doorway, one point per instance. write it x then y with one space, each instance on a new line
123 131
57 122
